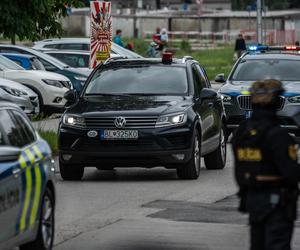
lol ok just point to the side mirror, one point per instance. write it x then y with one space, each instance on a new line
220 78
70 96
208 94
8 154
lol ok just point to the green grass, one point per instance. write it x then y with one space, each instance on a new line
51 138
214 61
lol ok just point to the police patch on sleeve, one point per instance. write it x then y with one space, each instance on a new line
292 152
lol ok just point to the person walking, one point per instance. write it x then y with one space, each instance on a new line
240 46
118 38
267 171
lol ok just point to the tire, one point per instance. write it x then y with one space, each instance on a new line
191 170
217 159
45 236
71 172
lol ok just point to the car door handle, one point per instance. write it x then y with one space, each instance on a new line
16 172
210 104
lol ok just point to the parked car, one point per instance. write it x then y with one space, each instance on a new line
259 63
50 87
145 113
26 61
80 44
76 76
19 94
73 58
27 185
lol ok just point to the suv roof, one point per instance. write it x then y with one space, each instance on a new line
139 61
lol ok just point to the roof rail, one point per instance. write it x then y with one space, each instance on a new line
186 58
115 58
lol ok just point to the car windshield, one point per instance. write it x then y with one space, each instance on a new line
251 70
48 58
8 64
36 64
143 80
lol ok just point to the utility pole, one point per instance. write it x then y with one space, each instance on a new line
259 32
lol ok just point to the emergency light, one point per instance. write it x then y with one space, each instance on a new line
263 48
167 57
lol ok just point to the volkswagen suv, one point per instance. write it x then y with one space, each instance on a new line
143 113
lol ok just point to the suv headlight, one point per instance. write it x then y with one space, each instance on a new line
53 83
73 120
226 98
294 99
171 120
12 91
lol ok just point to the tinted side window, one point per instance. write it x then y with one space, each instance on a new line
71 46
205 78
48 66
197 81
25 128
11 129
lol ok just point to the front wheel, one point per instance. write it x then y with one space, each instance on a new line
45 236
217 158
71 172
191 170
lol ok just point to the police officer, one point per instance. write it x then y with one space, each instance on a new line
266 170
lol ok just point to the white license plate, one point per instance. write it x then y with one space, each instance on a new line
119 134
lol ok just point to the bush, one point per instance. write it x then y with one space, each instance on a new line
51 138
185 46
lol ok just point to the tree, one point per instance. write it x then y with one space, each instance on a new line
33 19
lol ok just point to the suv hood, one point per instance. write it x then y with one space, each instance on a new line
85 72
130 105
242 87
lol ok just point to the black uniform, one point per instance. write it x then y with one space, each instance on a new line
267 173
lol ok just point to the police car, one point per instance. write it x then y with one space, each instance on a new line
27 193
259 63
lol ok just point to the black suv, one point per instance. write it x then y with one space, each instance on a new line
143 113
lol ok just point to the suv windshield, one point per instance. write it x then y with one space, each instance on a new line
139 80
251 70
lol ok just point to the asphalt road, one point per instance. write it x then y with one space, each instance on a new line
150 209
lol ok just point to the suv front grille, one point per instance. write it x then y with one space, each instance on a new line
245 102
131 122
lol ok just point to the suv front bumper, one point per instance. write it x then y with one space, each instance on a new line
155 147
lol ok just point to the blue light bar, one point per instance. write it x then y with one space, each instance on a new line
257 47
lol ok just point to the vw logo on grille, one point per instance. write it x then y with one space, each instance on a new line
120 122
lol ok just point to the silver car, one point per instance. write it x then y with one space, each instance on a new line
80 44
19 94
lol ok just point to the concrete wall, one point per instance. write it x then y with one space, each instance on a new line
79 25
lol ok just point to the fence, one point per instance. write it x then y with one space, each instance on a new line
199 40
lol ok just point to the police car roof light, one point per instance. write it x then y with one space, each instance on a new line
167 57
291 47
257 47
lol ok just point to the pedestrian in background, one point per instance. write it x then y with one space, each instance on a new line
164 38
267 170
118 38
240 47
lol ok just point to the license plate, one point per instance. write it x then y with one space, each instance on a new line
119 135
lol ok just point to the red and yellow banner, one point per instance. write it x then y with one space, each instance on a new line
101 32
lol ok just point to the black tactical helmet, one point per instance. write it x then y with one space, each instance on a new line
265 93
